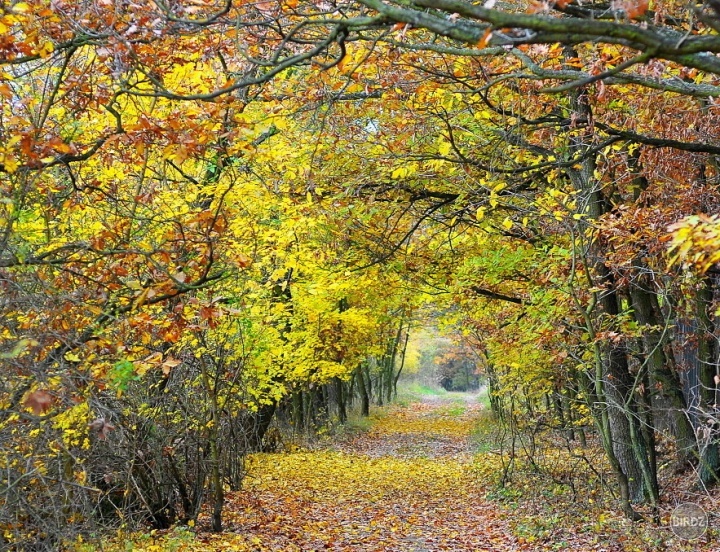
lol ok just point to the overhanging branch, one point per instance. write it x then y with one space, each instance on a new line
495 295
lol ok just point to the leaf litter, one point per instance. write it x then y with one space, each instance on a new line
407 484
410 483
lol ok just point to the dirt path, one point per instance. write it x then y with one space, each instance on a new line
405 485
408 484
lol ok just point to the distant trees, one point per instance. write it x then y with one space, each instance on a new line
457 371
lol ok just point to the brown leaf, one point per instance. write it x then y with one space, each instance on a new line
102 427
40 401
169 364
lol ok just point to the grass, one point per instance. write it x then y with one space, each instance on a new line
486 434
454 410
358 424
484 399
176 539
410 392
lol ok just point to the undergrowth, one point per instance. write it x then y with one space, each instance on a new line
545 489
559 491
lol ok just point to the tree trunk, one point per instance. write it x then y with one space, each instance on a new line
363 389
619 425
402 363
339 386
664 379
628 445
707 359
211 382
256 424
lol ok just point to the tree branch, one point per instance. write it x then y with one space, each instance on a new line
495 295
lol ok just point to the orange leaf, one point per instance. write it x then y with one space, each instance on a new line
243 261
536 6
635 9
485 38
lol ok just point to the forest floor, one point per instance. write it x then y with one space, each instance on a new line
421 477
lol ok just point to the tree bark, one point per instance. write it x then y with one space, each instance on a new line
363 389
339 387
708 369
622 435
255 426
664 379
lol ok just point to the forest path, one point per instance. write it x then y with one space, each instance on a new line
407 484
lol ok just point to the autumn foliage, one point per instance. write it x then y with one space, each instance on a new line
220 221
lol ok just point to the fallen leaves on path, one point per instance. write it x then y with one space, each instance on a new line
339 501
405 485
408 484
433 430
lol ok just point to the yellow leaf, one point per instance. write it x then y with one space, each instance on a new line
21 7
399 173
507 223
133 284
141 299
46 49
10 163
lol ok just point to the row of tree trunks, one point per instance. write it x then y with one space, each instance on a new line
635 393
707 412
373 380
